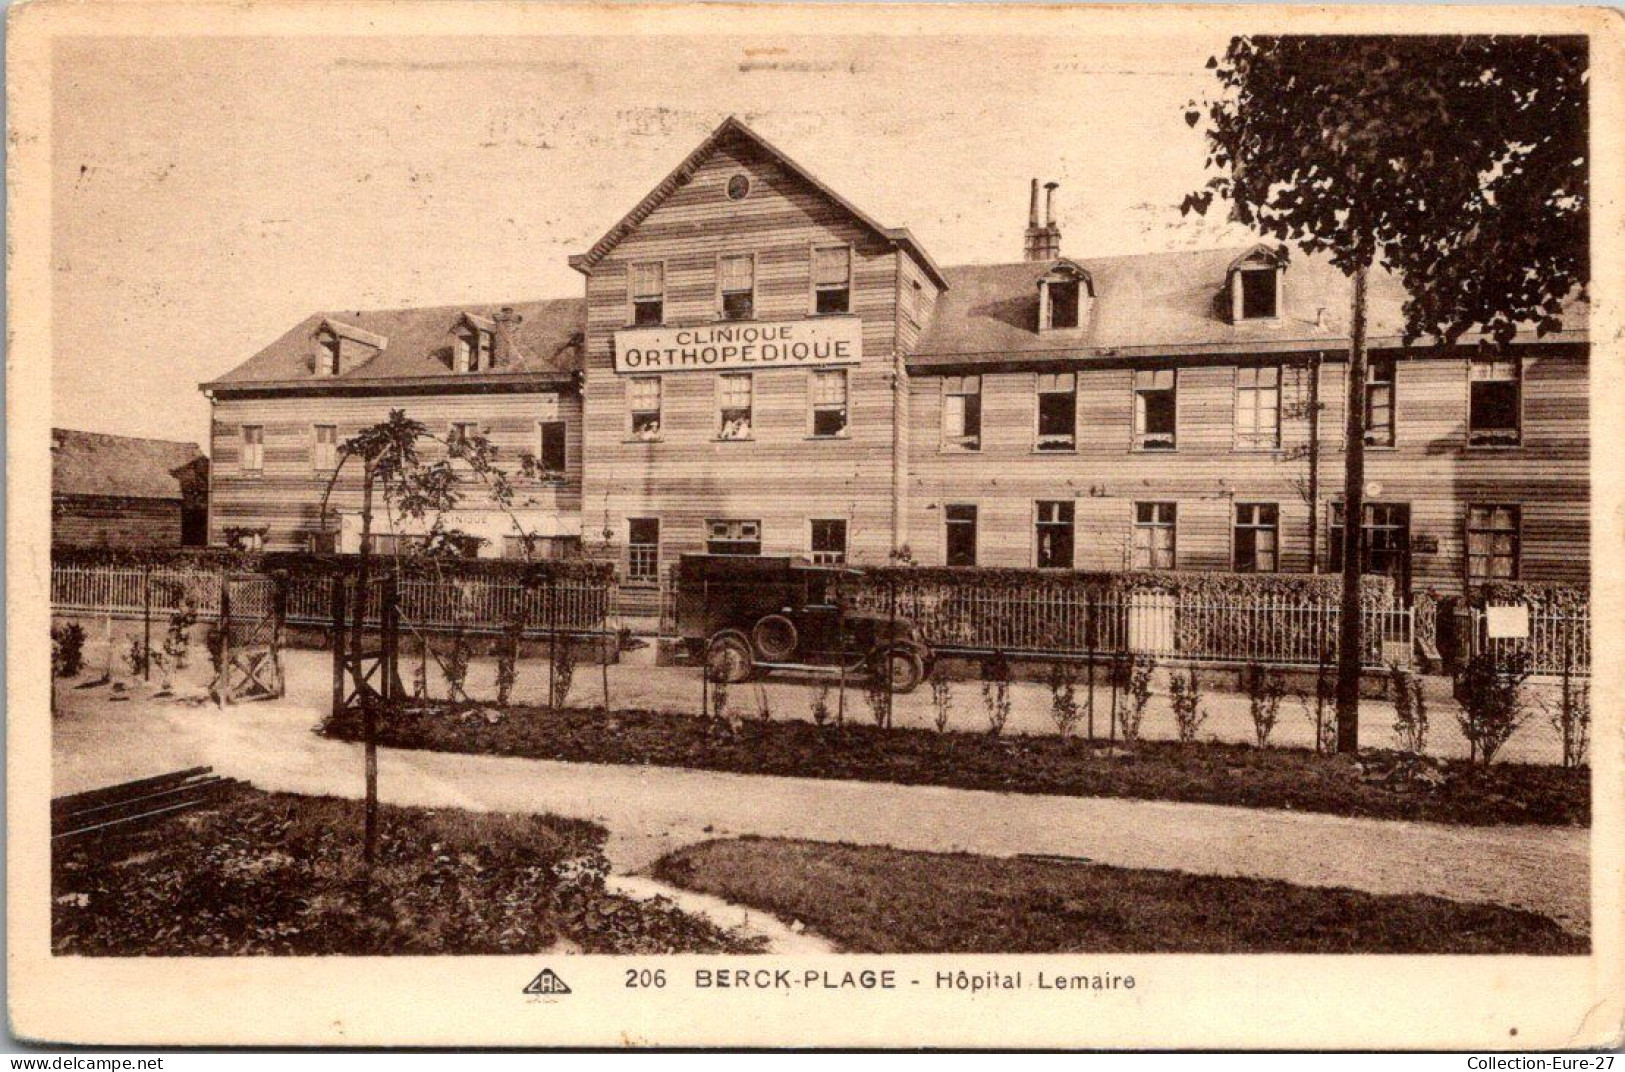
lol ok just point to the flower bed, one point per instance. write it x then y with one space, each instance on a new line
1378 785
279 874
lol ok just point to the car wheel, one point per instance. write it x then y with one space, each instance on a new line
907 670
775 637
728 658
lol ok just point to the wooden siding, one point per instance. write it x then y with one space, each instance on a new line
285 497
782 476
107 521
1431 467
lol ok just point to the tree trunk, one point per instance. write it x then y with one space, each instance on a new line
369 709
1349 640
1314 463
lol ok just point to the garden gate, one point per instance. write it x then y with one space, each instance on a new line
253 608
363 676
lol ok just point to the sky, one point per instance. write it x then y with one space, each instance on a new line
210 192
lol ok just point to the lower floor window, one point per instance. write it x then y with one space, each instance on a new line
960 521
724 537
1257 537
643 550
1055 535
537 548
829 542
1385 540
1154 535
1492 543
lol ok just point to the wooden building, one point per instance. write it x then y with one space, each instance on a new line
759 367
124 491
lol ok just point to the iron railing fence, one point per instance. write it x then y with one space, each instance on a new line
1180 626
1559 642
442 604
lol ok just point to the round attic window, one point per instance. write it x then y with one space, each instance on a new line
738 187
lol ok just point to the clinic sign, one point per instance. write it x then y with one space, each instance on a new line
827 341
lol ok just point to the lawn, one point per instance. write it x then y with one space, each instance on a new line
1383 785
880 900
279 874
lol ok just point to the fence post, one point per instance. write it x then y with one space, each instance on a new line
338 603
388 641
223 684
146 622
1091 635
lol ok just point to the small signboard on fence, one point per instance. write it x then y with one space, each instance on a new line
1507 623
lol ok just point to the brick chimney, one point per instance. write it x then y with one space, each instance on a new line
1043 237
503 350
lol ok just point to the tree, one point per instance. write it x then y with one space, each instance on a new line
420 490
1458 163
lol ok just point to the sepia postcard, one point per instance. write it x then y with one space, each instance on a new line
800 526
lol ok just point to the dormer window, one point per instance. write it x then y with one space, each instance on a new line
1063 295
340 347
1258 294
1255 285
473 348
327 355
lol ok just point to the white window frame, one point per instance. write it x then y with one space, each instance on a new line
1255 441
632 413
814 406
826 558
639 576
817 288
316 449
976 531
1236 527
750 410
1518 379
1039 524
254 449
1039 391
956 444
1137 416
632 296
755 286
564 446
1151 528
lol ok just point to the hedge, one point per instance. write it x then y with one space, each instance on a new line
1554 597
510 571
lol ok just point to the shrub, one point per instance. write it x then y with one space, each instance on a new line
1410 710
1132 673
1063 697
1570 716
455 666
138 657
67 650
996 692
877 695
1265 689
177 637
1185 691
820 704
508 662
942 700
564 669
1489 690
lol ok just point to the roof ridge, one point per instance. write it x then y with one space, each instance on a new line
132 438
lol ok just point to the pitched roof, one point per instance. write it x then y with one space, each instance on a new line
733 127
1156 303
417 344
91 463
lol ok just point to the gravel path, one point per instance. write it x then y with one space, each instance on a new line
651 811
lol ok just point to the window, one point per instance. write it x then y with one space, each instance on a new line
1379 402
1385 540
1258 407
550 448
1492 543
733 537
473 350
1257 537
738 187
733 406
1493 409
253 457
1257 293
1057 410
1055 535
832 280
643 550
960 522
1063 304
962 413
1154 409
643 402
828 542
541 548
828 391
327 361
648 283
1154 535
463 430
738 285
324 447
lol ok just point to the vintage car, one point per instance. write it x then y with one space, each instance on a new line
740 615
